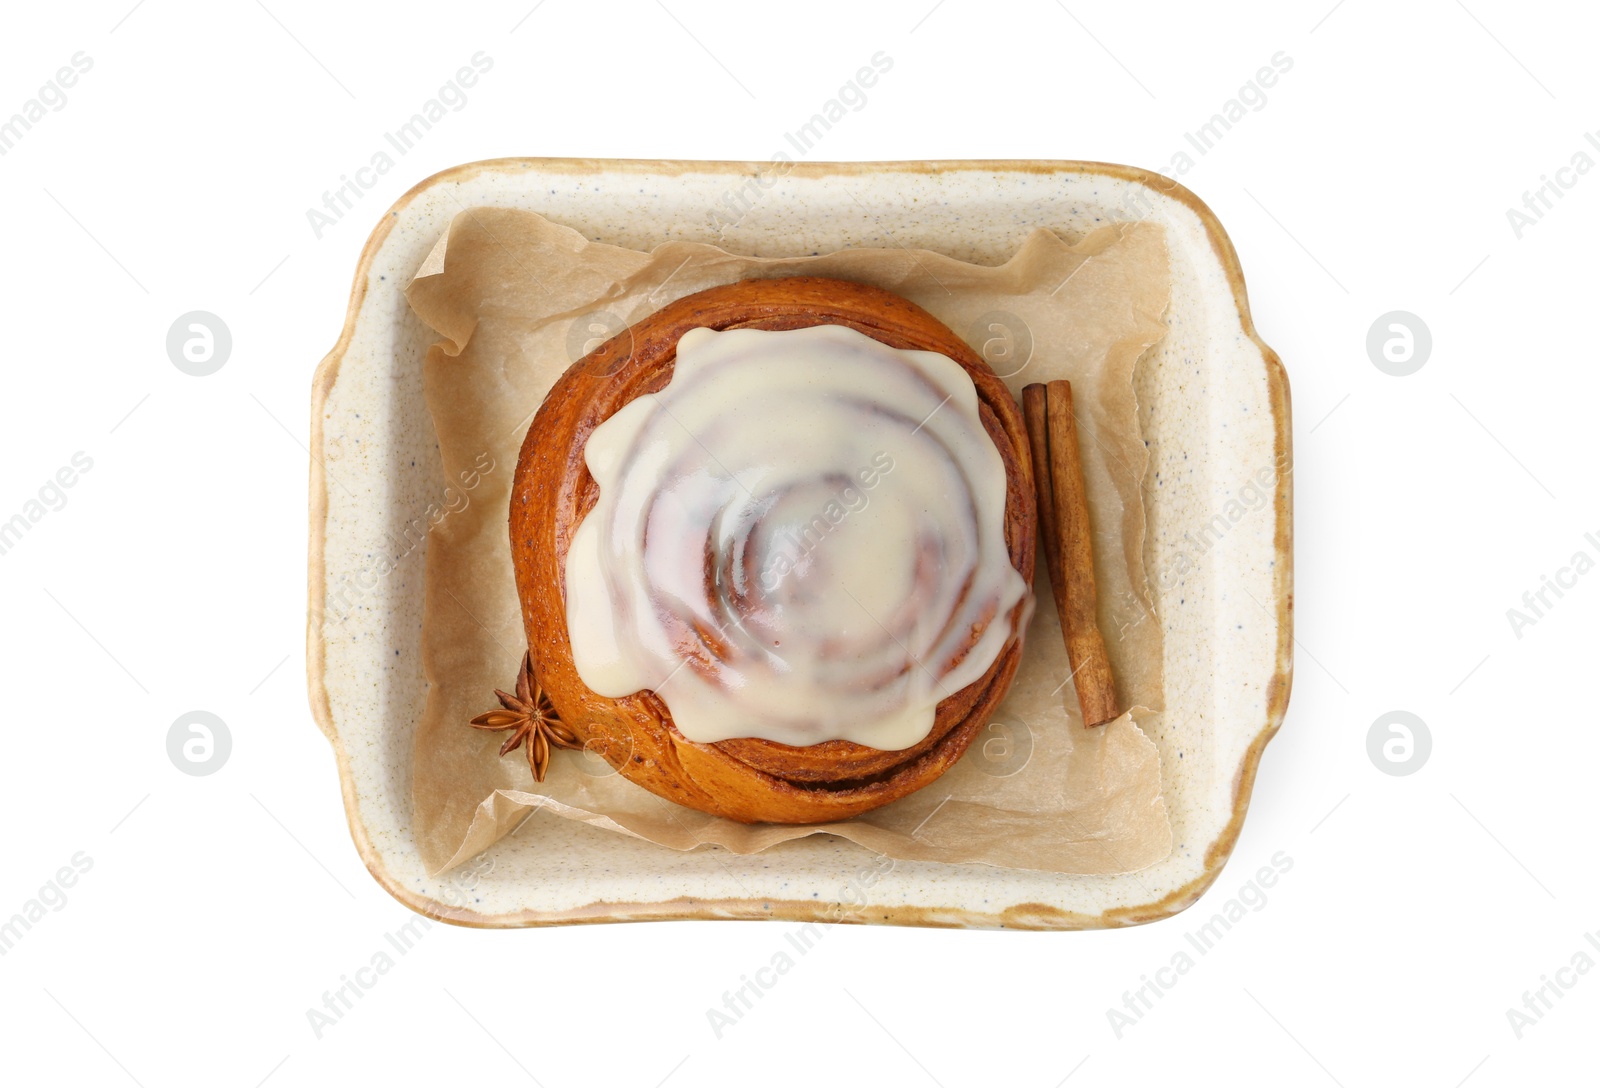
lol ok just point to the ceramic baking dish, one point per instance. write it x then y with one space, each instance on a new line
1214 405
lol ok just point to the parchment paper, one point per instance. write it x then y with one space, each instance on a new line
518 298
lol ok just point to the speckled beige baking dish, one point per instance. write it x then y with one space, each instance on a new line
1215 405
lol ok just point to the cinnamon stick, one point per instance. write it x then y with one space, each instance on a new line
1063 510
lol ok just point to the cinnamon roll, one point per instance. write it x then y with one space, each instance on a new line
774 546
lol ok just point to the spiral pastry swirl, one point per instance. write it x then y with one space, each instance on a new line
801 538
773 546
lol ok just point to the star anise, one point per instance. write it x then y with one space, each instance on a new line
531 717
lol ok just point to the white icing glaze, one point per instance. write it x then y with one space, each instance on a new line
801 538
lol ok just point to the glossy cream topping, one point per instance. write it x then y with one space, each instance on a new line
801 538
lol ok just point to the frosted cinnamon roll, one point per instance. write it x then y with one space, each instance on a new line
773 546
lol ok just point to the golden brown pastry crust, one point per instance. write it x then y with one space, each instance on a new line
750 780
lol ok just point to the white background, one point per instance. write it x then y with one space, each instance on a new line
1375 178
